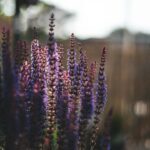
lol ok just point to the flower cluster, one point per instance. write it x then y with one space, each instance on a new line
46 106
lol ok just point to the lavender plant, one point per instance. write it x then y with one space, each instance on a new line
44 105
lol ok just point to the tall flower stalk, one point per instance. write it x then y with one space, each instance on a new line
101 98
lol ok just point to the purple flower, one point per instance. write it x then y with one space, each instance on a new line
101 97
45 105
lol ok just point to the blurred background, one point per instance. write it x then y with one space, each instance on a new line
123 27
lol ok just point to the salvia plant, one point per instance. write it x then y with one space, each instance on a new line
46 106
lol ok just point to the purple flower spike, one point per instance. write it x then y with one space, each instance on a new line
100 98
86 105
51 83
7 90
51 39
